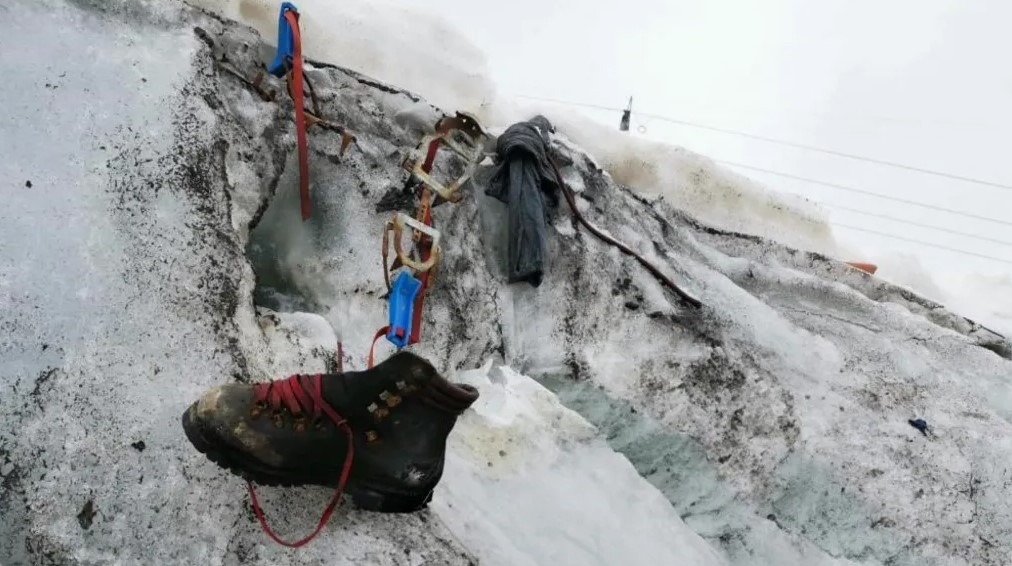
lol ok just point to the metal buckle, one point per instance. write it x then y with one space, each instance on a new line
396 225
467 126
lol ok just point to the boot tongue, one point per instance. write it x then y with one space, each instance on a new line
450 397
350 393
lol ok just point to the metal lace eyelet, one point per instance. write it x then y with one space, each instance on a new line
257 409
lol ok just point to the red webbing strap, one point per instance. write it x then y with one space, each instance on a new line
323 518
372 349
430 157
300 116
316 392
424 250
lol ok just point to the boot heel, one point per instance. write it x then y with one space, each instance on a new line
369 499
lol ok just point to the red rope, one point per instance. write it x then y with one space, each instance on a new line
379 334
300 116
663 279
315 393
430 157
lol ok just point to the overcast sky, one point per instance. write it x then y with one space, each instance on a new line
924 83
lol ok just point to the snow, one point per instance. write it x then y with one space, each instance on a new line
769 427
528 482
985 298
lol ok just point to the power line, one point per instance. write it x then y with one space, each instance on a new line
836 153
786 143
919 242
864 117
864 192
571 103
912 223
885 216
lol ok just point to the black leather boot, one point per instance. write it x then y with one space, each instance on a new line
382 431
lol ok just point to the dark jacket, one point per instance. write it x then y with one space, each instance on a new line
524 180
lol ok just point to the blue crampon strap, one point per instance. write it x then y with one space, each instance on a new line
402 304
286 43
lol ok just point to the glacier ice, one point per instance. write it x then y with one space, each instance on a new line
770 427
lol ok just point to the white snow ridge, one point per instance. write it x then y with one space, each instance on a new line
151 248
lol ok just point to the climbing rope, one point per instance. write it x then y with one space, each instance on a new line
667 282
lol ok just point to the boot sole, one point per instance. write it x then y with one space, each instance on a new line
362 495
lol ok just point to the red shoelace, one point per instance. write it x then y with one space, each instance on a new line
302 394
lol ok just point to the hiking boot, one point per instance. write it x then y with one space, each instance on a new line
382 431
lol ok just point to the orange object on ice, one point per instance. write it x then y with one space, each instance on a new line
869 268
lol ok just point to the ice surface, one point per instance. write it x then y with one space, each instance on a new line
527 482
769 427
985 298
679 467
791 390
125 294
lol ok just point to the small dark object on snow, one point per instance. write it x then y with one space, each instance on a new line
919 424
139 446
87 515
28 184
523 179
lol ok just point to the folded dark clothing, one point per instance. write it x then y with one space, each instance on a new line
523 179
